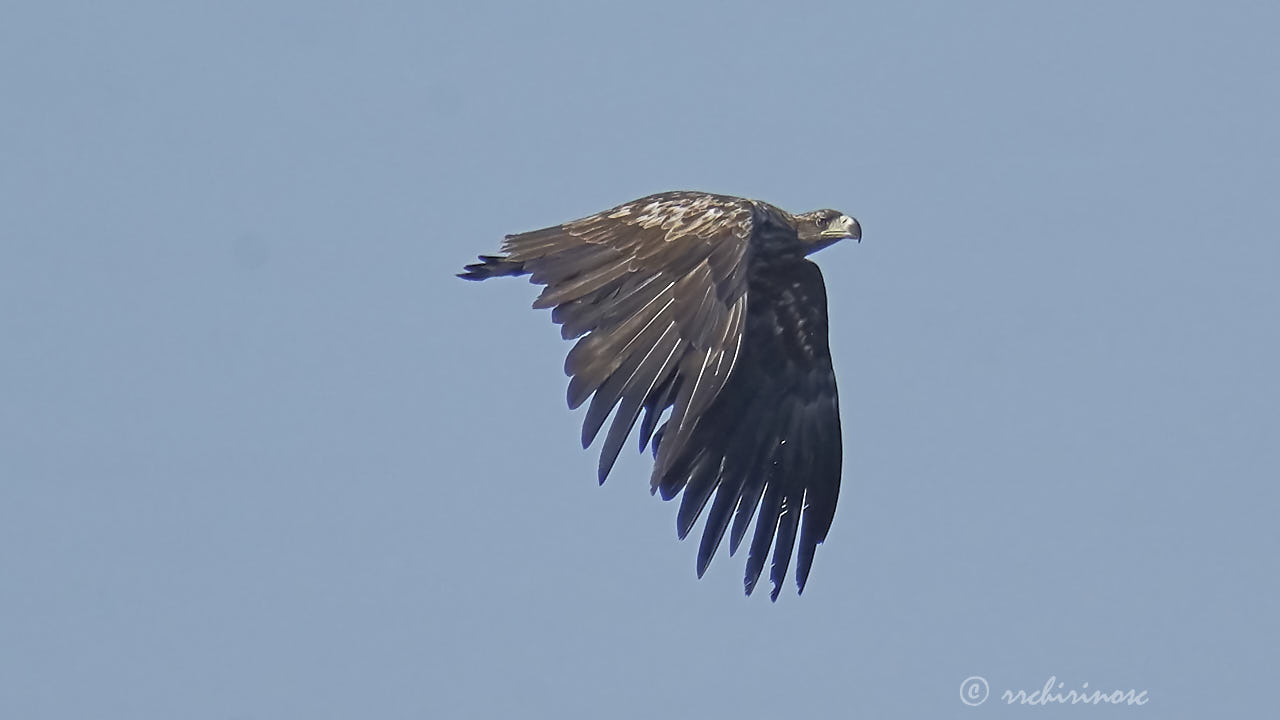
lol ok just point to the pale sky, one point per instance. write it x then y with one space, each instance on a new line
263 456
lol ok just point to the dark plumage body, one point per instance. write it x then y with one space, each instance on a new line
705 305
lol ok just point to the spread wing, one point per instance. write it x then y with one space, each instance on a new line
772 438
656 289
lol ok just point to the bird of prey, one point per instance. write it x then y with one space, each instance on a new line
704 305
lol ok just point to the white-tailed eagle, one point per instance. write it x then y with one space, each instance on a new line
704 305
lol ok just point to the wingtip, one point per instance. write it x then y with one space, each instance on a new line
802 577
705 555
773 594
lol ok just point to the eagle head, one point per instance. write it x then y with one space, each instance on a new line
820 228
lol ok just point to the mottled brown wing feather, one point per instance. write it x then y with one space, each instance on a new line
771 439
656 291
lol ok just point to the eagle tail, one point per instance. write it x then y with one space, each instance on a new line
492 266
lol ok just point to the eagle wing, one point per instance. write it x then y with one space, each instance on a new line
656 290
772 438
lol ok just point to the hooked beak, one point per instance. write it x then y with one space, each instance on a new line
841 228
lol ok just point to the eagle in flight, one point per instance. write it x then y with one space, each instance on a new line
703 305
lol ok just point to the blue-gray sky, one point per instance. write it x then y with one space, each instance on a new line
264 457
